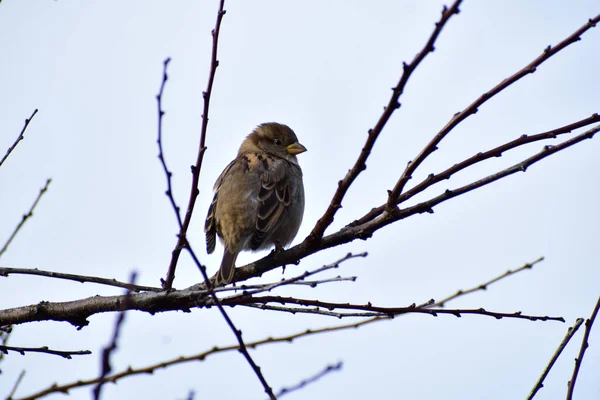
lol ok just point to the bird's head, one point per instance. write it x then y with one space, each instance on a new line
273 138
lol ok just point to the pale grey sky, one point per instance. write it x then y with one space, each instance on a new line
325 68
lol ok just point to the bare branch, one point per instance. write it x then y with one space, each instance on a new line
63 353
584 345
182 241
328 369
16 385
312 284
427 206
107 351
54 388
474 107
540 383
182 238
202 356
26 216
433 179
19 138
296 279
77 312
393 105
365 231
5 331
161 155
389 311
5 271
237 332
484 285
316 310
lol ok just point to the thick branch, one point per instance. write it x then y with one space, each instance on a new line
76 312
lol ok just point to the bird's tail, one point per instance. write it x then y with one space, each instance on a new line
227 270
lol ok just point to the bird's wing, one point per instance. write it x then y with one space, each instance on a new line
210 226
274 196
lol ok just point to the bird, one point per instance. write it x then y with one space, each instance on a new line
259 197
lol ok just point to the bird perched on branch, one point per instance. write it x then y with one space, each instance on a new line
259 197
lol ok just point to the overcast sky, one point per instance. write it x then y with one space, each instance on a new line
325 68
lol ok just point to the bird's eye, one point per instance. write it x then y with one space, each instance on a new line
277 142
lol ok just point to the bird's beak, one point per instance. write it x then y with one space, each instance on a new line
295 148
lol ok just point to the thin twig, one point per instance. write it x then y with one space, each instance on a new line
540 382
236 331
107 351
522 166
161 155
296 280
185 359
433 179
182 236
312 284
76 312
63 353
316 310
306 274
16 385
484 285
328 369
390 311
373 134
19 138
25 217
584 345
5 271
474 107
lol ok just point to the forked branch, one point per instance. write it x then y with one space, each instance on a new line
360 164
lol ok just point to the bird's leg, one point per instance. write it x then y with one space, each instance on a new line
278 247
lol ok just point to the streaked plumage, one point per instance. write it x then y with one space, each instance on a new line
259 197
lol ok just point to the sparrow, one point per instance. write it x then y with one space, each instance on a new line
259 197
